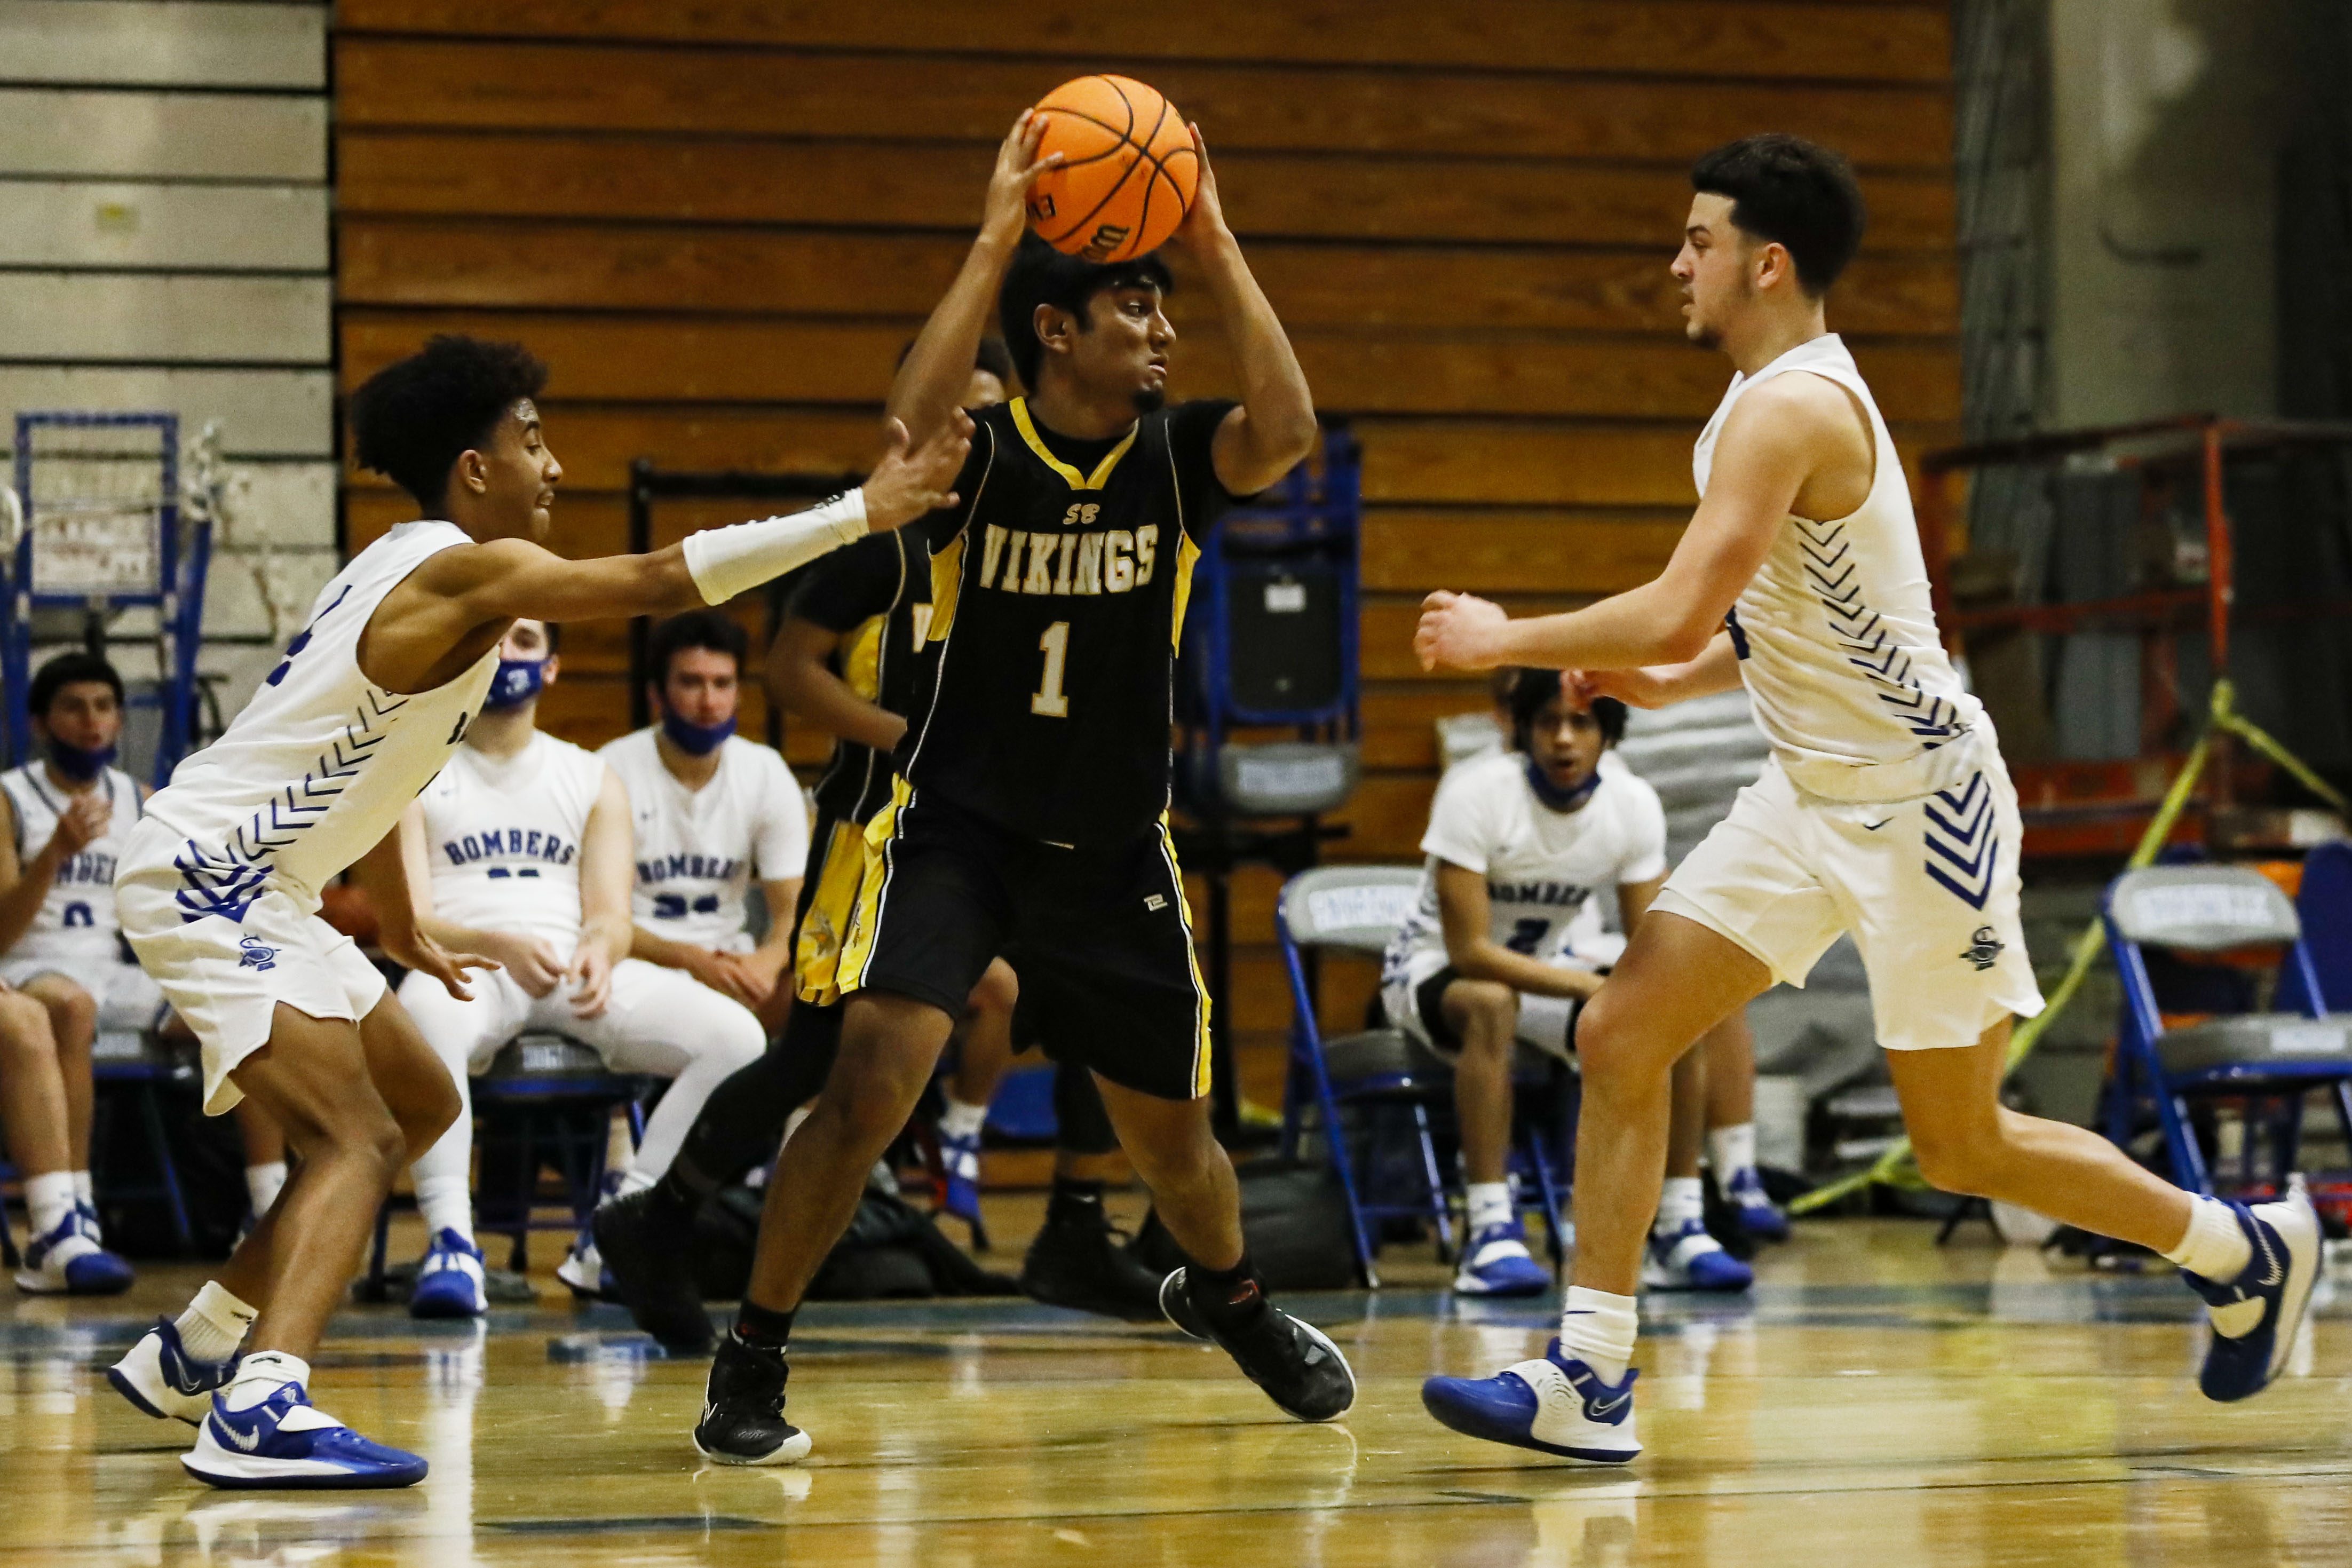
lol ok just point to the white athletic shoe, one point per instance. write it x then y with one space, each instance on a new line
1554 1405
1690 1259
159 1376
264 1432
583 1270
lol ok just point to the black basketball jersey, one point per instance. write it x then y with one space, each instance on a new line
877 592
1058 584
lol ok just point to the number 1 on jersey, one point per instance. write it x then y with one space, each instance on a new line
1049 699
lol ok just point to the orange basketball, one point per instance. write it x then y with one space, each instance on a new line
1129 174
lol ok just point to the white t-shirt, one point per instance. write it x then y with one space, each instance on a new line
76 921
502 839
1545 869
697 850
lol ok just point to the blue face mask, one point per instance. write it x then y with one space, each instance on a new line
517 682
78 764
697 740
1557 798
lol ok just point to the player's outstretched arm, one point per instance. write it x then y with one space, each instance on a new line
932 383
448 611
1661 685
1771 446
1274 429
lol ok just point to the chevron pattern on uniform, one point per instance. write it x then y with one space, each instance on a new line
228 885
1862 631
1963 850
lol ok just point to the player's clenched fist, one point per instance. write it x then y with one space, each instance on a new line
1459 631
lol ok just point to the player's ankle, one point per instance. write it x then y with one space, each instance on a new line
214 1323
764 1327
1075 1200
1230 1299
1597 1328
2214 1247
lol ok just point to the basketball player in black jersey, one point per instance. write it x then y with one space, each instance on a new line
847 658
1030 805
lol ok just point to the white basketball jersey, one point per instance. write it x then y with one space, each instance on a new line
1545 869
697 850
502 839
319 764
76 920
1836 636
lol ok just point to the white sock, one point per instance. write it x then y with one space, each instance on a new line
263 1374
214 1323
1678 1205
85 1191
49 1199
447 1204
1489 1202
1598 1329
263 1184
961 1121
2215 1247
1730 1151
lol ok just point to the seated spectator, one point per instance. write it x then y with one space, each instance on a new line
61 956
520 851
1508 943
710 811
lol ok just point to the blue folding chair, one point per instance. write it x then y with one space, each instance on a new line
2325 907
2269 1060
528 1104
1384 1075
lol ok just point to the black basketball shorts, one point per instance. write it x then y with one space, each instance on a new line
1104 936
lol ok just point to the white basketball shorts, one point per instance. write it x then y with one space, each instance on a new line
1928 888
226 977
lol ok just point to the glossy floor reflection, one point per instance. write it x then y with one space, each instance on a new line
1878 1402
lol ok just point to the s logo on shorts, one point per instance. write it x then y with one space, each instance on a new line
1984 948
258 955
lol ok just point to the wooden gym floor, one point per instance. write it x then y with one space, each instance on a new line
1878 1403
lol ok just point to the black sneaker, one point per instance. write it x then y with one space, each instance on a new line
743 1409
649 1255
1076 1261
1295 1362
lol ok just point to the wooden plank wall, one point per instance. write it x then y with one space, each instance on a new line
720 220
164 245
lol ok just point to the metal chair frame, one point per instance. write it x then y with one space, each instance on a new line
2273 1090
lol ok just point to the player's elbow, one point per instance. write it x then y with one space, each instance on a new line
1684 641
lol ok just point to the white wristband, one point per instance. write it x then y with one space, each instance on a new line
725 562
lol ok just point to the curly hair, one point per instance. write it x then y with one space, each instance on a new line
415 418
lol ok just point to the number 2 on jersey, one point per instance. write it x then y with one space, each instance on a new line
1049 699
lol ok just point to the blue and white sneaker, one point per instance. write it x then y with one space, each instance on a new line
1690 1259
159 1376
1758 1216
69 1262
449 1279
262 1432
1555 1405
2256 1315
960 1160
1496 1262
583 1270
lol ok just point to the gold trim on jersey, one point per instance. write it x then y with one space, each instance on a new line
840 884
1188 555
1076 481
1201 1055
874 882
947 580
861 661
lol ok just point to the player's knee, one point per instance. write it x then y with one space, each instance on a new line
1611 1047
430 1112
1954 1161
1491 1009
24 1035
998 991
